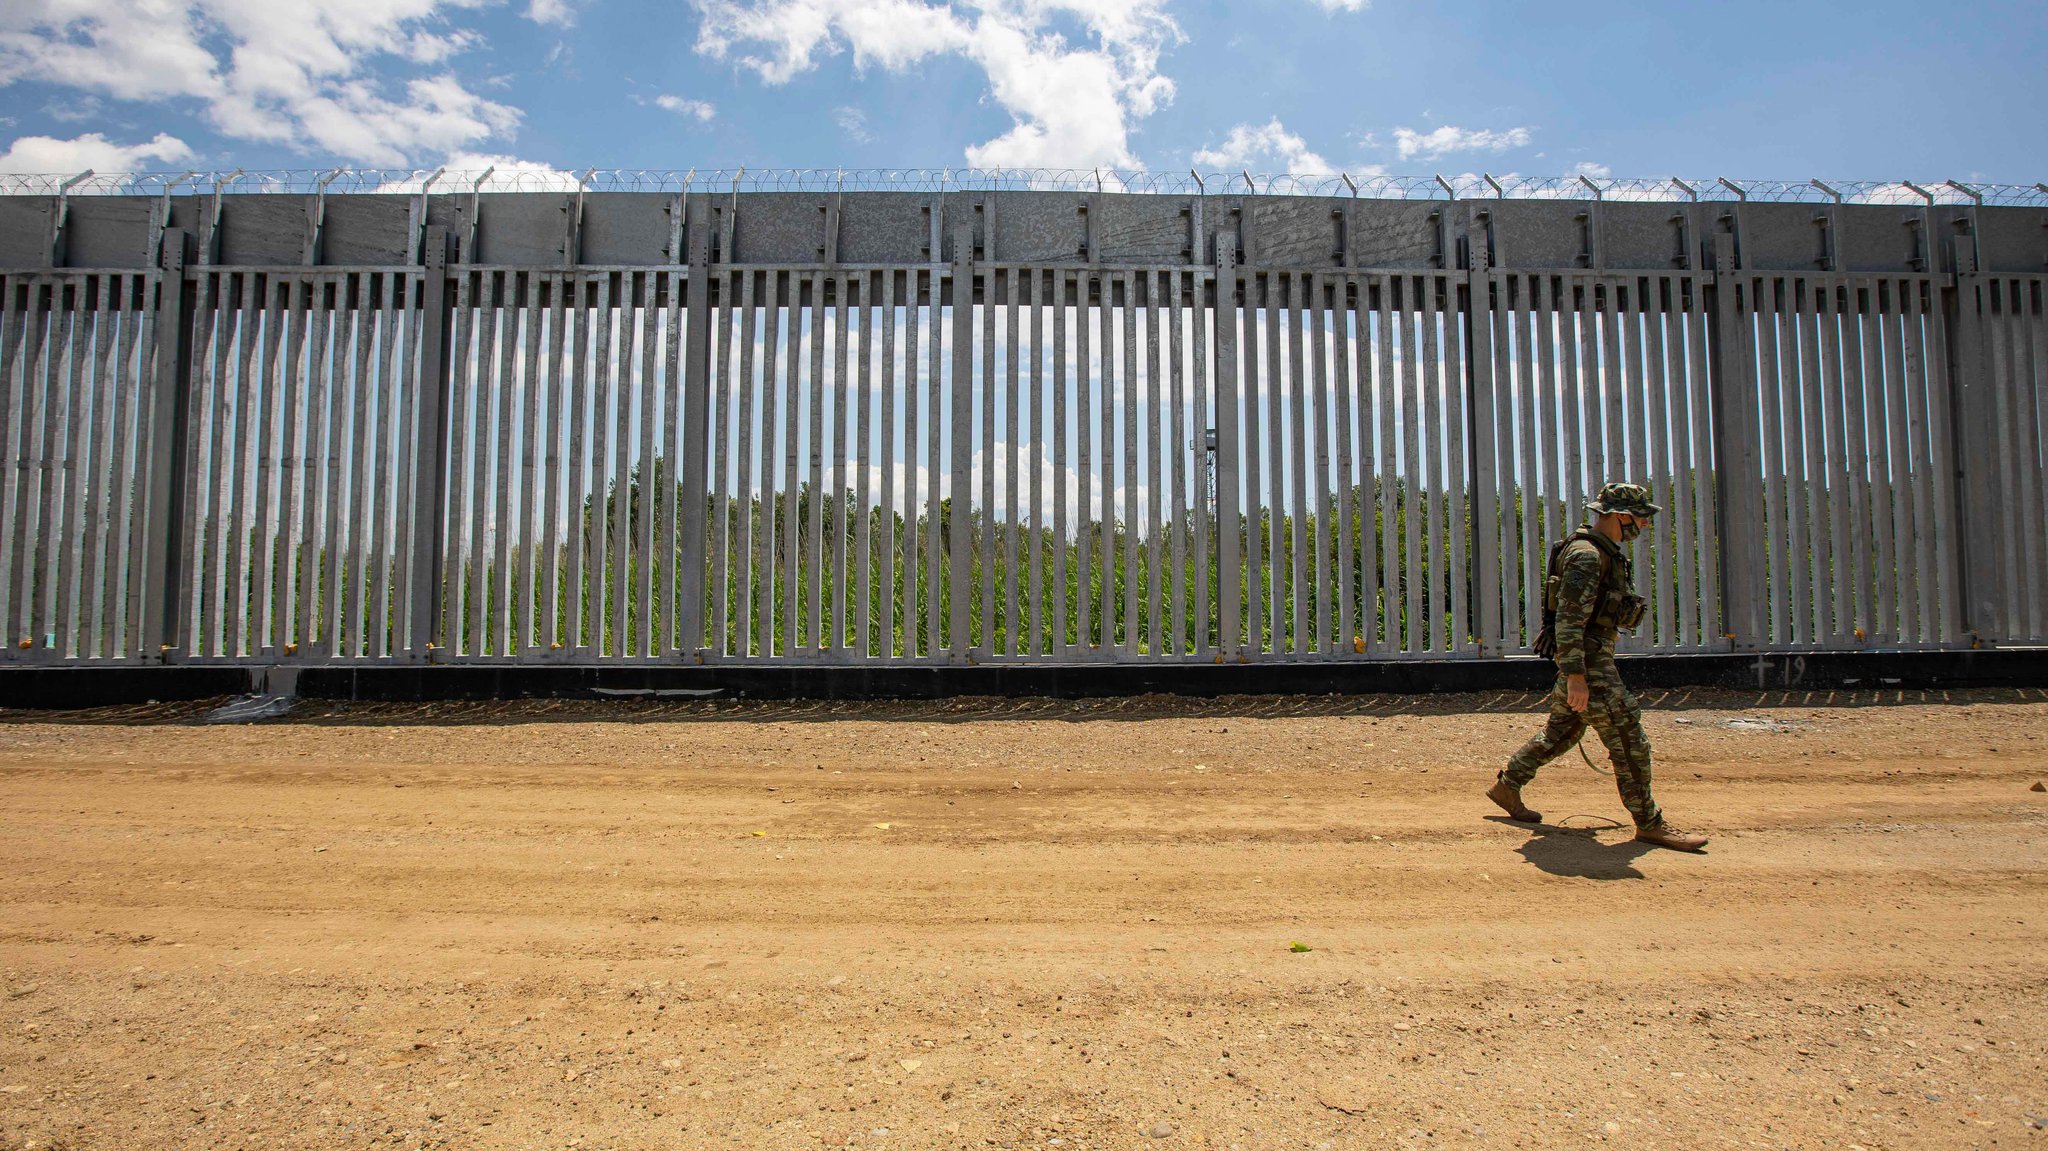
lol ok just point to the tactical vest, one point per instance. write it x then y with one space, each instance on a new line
1615 604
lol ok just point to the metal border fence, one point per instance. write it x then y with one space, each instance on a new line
944 417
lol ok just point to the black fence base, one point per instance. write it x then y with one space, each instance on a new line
81 687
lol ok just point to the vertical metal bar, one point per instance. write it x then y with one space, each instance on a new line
1056 298
1489 420
113 383
616 496
1841 479
137 447
2032 398
669 636
720 382
13 335
696 391
1011 405
234 465
1129 526
1930 324
161 582
815 509
1553 500
1084 371
985 532
934 486
333 348
1766 320
1736 465
67 549
1881 417
1906 465
1279 586
764 458
921 594
961 434
322 562
1814 464
203 462
1614 378
1997 385
1667 443
528 526
1034 323
1300 439
1230 441
397 428
497 318
1856 470
651 478
291 529
1434 434
1414 353
1795 340
39 332
431 486
863 395
841 392
885 510
1151 407
1533 488
554 370
460 510
569 421
1179 457
263 547
1205 451
748 469
793 502
1106 605
1389 323
1694 320
1457 516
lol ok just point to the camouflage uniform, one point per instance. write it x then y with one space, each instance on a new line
1585 646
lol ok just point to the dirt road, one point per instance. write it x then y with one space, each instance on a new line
1022 924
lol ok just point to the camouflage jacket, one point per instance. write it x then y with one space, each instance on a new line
1581 637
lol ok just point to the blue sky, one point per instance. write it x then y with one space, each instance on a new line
1777 91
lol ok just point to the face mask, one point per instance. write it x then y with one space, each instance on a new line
1630 529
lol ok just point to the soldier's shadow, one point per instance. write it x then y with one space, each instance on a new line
1577 851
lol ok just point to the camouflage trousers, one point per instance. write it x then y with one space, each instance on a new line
1612 712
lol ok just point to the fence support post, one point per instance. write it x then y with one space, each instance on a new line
1738 470
429 510
962 440
689 638
1482 433
1975 430
1229 448
159 633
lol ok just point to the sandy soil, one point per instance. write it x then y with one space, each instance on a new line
1021 924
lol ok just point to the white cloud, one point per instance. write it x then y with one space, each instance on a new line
1343 5
697 109
1413 145
1269 147
295 72
1591 170
1071 104
560 13
45 154
854 123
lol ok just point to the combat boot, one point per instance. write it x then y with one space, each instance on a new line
1509 797
1662 834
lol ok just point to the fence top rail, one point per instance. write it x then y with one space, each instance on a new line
1378 186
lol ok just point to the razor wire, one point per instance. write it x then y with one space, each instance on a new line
932 181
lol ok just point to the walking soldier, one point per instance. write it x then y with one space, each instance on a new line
1588 598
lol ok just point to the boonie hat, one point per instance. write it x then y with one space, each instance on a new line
1623 499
